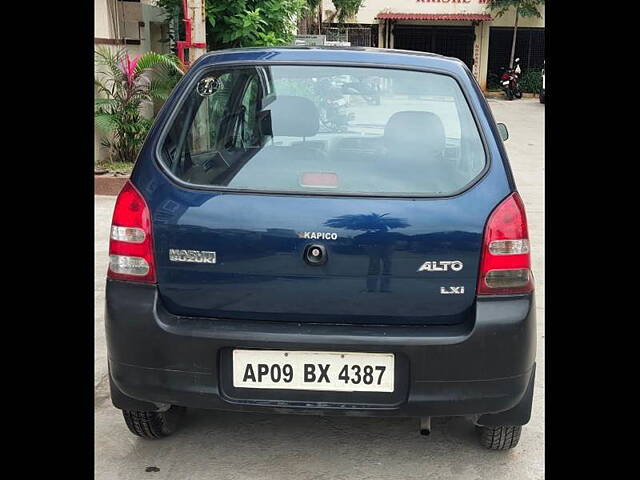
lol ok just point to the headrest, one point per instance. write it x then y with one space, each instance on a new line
415 132
294 117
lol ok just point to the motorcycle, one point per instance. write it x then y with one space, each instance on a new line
333 114
509 81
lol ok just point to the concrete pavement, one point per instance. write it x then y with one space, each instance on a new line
234 446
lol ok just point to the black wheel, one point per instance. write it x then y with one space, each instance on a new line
153 424
503 437
541 97
518 94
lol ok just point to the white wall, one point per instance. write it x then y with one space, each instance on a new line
371 8
101 20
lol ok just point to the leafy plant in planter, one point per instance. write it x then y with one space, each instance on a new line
124 84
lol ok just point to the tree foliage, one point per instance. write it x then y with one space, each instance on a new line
526 8
346 9
247 23
309 16
257 23
312 5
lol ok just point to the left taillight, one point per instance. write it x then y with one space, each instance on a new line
130 241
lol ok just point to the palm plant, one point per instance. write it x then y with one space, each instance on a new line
124 84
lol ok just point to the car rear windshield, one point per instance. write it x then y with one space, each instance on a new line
325 130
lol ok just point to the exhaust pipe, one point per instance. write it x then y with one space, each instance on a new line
425 426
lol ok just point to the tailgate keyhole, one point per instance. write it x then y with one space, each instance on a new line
315 255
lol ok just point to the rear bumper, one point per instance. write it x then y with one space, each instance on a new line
484 368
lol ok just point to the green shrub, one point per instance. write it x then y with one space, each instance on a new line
531 81
493 82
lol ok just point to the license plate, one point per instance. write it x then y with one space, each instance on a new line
329 371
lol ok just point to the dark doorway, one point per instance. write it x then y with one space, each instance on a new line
449 41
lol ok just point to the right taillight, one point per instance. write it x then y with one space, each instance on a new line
505 267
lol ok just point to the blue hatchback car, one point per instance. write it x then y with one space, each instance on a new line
323 231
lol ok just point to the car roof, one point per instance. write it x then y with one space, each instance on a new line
321 54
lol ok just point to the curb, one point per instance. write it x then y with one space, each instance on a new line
500 95
108 184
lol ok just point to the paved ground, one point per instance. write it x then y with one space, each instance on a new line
233 446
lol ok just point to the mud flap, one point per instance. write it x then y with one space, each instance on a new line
518 415
124 402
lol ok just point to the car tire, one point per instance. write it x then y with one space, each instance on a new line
502 437
153 425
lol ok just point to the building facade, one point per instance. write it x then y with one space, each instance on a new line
465 29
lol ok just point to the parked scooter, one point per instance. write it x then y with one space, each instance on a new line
509 81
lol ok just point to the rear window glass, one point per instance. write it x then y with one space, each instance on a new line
325 130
